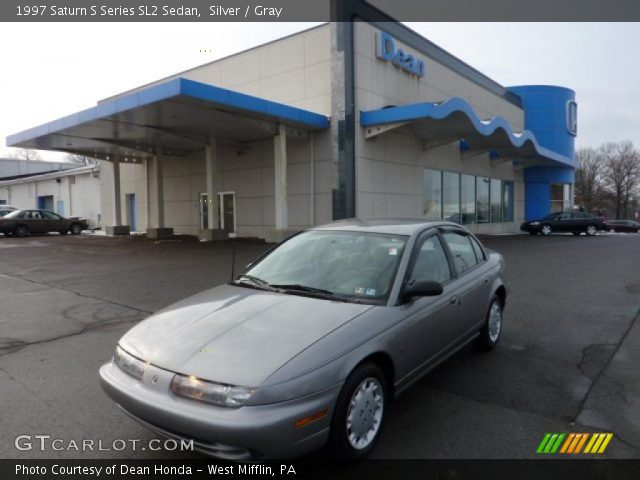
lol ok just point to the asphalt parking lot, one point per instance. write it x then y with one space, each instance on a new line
567 362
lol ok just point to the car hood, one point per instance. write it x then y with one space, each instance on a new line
235 335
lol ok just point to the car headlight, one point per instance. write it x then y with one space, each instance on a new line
129 364
210 392
534 223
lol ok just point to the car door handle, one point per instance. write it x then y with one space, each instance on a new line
455 300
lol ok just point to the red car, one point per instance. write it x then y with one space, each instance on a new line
23 222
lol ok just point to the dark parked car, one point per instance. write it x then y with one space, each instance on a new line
623 226
23 222
576 223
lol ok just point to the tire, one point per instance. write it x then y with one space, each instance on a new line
367 381
490 333
75 229
546 230
576 233
21 231
591 230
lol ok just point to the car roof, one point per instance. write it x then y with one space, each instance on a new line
392 226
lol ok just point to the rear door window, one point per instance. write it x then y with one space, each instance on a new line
464 256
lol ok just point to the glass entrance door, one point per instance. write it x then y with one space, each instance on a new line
228 212
204 211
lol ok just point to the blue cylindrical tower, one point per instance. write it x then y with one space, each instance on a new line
550 113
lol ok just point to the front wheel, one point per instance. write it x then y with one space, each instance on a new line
76 229
591 230
21 231
490 333
546 230
359 413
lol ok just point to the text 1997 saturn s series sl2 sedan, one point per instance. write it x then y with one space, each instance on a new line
308 345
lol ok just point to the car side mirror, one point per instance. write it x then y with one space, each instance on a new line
422 288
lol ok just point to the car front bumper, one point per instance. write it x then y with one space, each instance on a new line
245 433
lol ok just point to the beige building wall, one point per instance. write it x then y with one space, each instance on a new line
389 168
294 70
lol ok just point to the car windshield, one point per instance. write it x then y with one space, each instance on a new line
352 266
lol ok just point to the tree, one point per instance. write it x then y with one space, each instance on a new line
25 154
79 159
589 183
621 173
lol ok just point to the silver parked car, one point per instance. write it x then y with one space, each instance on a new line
310 343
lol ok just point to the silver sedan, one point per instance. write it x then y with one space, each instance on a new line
309 344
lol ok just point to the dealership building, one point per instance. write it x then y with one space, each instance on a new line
348 119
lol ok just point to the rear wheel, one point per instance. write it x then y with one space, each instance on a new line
357 420
546 230
21 231
76 229
591 230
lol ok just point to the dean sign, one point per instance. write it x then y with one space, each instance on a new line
386 51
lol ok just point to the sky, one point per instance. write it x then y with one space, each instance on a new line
50 70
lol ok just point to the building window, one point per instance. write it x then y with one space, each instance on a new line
496 200
467 199
433 194
451 196
557 197
507 201
482 199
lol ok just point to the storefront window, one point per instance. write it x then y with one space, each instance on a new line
557 197
467 199
507 202
482 199
451 196
496 200
567 197
433 194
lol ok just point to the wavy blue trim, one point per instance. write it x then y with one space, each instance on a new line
172 89
440 111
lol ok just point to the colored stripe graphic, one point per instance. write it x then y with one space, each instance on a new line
574 443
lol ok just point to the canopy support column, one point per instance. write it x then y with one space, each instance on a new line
159 231
211 230
281 230
117 228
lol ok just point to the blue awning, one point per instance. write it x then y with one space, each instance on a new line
177 116
455 119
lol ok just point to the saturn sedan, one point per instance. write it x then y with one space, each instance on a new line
309 344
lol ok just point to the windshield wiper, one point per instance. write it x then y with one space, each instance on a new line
257 281
312 291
